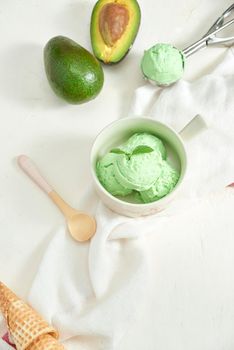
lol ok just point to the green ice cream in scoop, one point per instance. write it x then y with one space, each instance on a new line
139 171
144 139
106 175
163 185
163 63
137 168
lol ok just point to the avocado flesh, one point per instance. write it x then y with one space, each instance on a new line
107 46
73 72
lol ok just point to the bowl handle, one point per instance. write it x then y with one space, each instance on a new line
193 128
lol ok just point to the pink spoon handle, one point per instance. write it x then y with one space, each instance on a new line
31 170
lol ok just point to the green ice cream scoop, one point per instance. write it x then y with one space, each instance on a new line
163 64
106 175
139 171
163 185
144 139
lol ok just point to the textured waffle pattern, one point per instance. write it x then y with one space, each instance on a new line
26 326
7 297
45 342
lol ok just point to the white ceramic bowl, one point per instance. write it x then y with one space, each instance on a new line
119 131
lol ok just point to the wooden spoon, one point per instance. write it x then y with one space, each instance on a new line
80 225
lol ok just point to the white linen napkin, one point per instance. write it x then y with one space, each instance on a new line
92 292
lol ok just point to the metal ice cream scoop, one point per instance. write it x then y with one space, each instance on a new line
210 38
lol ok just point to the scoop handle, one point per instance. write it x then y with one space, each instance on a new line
27 165
210 37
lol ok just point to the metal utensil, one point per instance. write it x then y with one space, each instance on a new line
210 38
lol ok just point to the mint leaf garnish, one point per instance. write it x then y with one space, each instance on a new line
117 151
142 149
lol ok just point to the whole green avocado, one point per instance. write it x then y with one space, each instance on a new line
73 72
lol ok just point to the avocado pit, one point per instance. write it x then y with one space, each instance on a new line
113 21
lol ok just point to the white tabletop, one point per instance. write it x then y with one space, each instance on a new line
191 304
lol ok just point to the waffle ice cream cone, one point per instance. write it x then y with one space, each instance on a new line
45 342
27 328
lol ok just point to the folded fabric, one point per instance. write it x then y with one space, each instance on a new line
93 292
209 154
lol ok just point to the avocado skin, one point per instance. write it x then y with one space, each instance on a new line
73 72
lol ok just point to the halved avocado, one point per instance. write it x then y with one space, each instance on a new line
114 26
